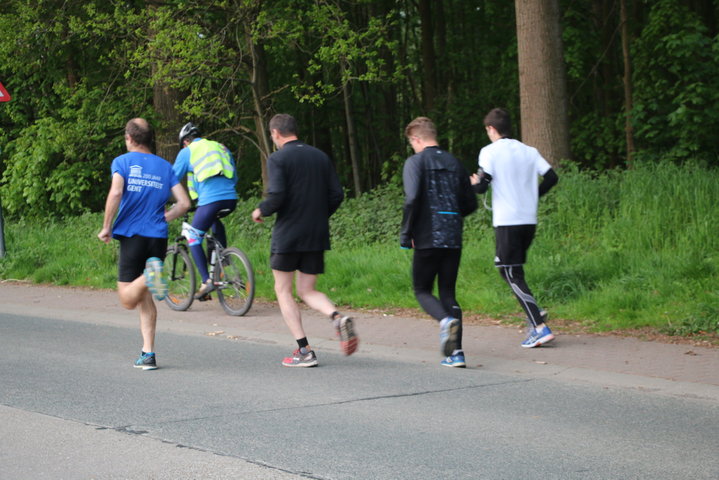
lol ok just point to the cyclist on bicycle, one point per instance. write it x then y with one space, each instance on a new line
211 179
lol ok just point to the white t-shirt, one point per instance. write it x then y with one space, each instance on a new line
515 169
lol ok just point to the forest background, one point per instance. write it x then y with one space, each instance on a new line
620 95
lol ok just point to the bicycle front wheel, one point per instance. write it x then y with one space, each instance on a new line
235 281
180 274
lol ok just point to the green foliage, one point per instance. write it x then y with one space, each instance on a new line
338 52
701 320
676 84
58 165
592 51
370 219
68 107
78 70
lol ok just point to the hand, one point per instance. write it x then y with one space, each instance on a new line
474 179
105 235
257 215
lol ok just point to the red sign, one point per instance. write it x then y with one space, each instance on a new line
4 96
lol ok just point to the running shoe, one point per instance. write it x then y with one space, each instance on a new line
456 361
146 361
543 318
154 278
205 290
349 341
448 333
299 359
538 338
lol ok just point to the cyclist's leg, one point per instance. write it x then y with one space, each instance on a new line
218 228
202 221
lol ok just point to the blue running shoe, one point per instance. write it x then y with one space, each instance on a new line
154 278
456 361
448 335
146 361
538 338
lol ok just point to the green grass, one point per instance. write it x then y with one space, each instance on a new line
618 250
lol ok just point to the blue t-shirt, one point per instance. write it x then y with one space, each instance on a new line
148 185
212 189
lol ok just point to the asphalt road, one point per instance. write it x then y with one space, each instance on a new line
72 407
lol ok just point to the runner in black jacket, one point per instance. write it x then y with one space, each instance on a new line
438 194
304 191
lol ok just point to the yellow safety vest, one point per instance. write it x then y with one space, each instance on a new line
207 159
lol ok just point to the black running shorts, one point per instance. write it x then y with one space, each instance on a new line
512 243
134 252
311 263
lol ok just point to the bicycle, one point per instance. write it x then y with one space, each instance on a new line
232 276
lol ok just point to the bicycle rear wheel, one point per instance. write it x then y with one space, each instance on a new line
180 274
234 281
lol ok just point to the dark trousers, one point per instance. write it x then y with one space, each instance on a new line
206 217
442 264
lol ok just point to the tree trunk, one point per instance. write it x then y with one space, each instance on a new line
260 94
542 80
429 90
164 101
442 74
628 101
352 138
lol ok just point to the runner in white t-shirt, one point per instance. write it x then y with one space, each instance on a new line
513 169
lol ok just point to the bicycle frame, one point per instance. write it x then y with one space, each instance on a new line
233 281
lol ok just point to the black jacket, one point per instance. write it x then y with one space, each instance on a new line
438 194
304 191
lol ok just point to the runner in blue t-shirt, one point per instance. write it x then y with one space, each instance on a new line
141 185
211 179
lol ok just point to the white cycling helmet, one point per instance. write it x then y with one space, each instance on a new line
188 129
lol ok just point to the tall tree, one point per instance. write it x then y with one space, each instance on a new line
164 100
342 52
429 80
627 81
259 83
542 81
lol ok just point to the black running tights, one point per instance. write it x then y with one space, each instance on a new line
514 276
442 264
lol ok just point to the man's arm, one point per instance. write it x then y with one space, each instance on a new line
112 204
480 181
467 198
182 203
549 180
411 178
275 190
182 163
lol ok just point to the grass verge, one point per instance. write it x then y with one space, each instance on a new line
629 251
